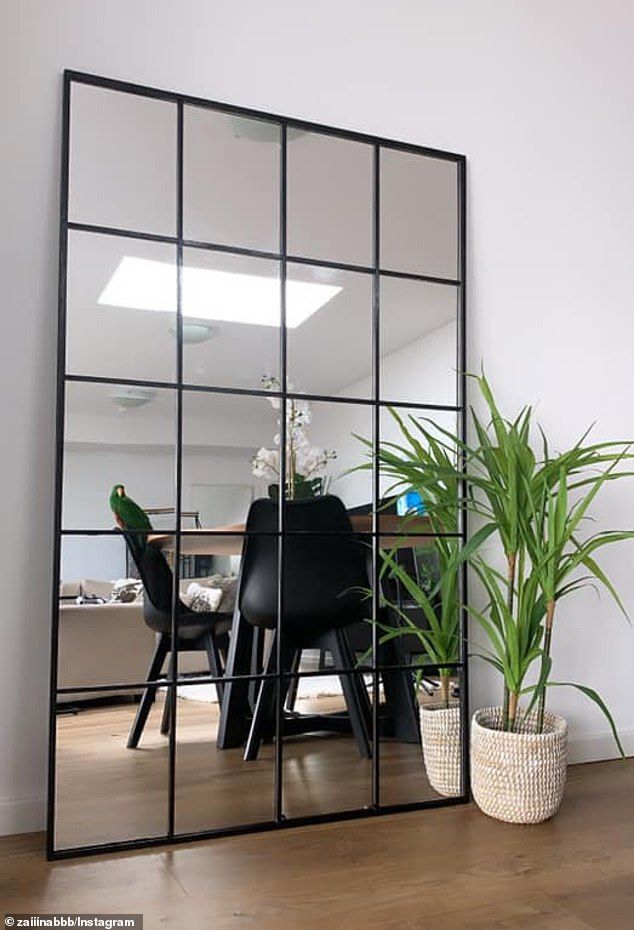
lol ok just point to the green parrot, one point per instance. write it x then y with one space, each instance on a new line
129 516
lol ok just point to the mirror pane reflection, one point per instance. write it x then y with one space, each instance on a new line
231 179
121 308
231 319
223 463
104 792
424 765
138 425
330 351
103 637
118 435
425 427
419 214
327 767
216 787
418 342
122 160
329 198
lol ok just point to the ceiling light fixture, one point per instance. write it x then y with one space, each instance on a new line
195 331
129 398
209 294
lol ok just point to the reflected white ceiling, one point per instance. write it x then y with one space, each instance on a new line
328 351
123 174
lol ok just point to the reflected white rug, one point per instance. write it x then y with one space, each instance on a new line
321 686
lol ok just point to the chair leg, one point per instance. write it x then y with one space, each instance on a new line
293 687
162 648
167 712
215 663
401 717
354 692
256 663
264 715
236 709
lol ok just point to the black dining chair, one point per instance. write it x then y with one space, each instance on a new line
324 577
202 631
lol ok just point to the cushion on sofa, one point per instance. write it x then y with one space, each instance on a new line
69 589
127 590
226 583
201 598
91 587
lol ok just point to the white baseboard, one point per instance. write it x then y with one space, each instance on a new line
598 747
22 815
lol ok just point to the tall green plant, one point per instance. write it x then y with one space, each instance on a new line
537 505
552 530
537 508
514 629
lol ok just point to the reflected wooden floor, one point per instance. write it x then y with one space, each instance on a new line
106 792
446 869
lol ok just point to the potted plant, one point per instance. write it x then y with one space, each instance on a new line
305 465
536 506
420 463
439 643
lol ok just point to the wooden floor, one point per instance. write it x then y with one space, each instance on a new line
444 869
106 792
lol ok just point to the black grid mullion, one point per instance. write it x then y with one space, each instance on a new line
203 679
59 464
258 392
127 87
376 490
278 803
369 534
178 473
414 276
462 400
120 232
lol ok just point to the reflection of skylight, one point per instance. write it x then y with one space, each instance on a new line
208 294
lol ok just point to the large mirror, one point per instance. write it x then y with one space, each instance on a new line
254 312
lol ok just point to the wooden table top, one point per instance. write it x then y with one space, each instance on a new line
228 540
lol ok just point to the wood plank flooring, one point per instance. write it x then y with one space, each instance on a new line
106 792
449 869
446 869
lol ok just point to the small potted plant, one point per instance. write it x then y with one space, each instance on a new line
305 464
422 463
439 644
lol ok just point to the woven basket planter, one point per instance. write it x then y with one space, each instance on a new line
440 735
518 777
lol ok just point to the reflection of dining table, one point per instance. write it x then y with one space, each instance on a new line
238 693
228 540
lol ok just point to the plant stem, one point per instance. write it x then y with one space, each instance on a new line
511 562
512 710
290 478
548 635
444 687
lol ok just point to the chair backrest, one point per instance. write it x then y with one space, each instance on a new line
324 568
157 579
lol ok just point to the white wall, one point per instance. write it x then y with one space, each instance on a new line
538 95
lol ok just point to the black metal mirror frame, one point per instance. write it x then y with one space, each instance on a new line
376 403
